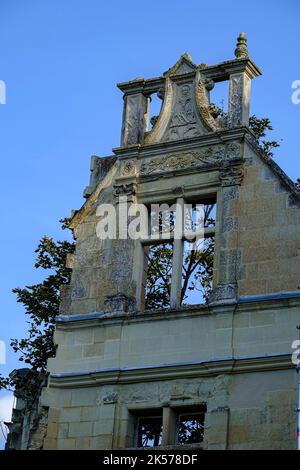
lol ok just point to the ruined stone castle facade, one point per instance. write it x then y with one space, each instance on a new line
224 364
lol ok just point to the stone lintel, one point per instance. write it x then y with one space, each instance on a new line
220 137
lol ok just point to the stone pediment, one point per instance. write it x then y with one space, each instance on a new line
183 65
186 111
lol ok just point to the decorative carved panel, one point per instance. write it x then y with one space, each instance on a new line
235 101
191 159
134 119
128 168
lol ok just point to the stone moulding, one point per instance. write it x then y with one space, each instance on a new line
257 302
220 137
172 371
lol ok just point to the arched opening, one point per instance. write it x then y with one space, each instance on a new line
154 110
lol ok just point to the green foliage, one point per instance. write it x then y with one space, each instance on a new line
198 270
260 128
150 433
41 302
190 431
159 271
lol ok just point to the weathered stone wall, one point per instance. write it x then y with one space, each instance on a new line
28 426
100 268
257 232
262 411
177 337
247 411
268 231
205 354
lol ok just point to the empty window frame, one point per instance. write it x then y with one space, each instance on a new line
183 426
148 429
179 271
157 275
190 427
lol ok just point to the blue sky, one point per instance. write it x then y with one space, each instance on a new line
61 59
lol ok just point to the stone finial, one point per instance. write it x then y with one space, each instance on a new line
241 51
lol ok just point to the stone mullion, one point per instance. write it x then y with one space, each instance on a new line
169 426
175 298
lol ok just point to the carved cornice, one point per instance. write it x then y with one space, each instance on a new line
191 159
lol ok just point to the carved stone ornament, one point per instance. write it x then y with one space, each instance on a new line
186 110
124 190
128 169
203 105
191 159
183 123
134 123
110 398
231 175
241 51
236 101
223 293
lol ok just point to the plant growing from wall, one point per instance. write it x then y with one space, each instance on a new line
260 126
